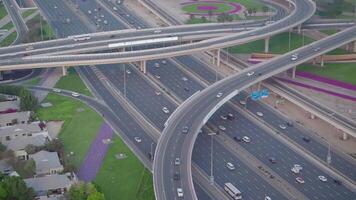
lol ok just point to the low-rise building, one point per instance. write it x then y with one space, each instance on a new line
9 106
50 187
14 118
9 133
47 163
18 145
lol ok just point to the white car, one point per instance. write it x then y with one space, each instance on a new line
165 110
322 178
114 8
230 166
295 170
128 72
242 102
177 161
259 114
282 126
157 31
184 78
74 94
268 198
157 65
57 90
164 62
157 92
222 127
158 76
180 192
294 57
138 139
297 166
300 180
223 117
219 94
246 139
250 73
317 49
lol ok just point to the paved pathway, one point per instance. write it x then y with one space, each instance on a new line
96 154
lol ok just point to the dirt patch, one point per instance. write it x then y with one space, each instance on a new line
54 128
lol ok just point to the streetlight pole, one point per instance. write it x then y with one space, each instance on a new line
328 157
211 158
125 80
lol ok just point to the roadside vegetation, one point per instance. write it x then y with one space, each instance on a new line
339 71
3 11
28 13
8 40
36 33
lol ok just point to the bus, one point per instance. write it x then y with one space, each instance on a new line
80 37
232 191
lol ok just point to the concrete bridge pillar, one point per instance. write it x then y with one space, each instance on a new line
293 72
1 77
345 136
322 60
312 116
299 28
218 57
143 66
353 46
267 44
64 70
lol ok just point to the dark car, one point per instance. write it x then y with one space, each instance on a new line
290 124
112 36
237 138
186 89
185 130
176 176
337 182
230 116
272 160
306 139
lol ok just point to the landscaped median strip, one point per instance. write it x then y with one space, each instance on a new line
96 154
344 96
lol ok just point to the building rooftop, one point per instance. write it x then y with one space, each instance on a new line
19 116
19 129
21 142
45 161
46 183
5 105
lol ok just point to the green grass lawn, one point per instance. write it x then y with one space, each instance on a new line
73 82
28 13
197 20
8 40
340 71
33 81
249 4
3 11
329 32
124 179
8 26
80 127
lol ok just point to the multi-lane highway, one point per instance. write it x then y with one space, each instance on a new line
157 118
20 25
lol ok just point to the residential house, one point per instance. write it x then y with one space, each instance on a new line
47 163
11 119
18 145
50 187
9 133
9 106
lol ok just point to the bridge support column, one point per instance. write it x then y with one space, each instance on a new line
345 136
299 28
293 72
218 59
353 46
314 61
1 77
312 116
143 66
64 70
322 60
267 44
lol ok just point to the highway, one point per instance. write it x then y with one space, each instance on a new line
158 119
20 25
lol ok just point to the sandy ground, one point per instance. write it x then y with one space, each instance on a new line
149 17
173 8
54 127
